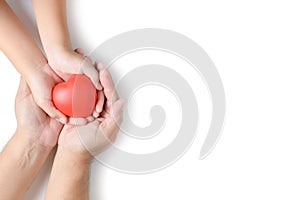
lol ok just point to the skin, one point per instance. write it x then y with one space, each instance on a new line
77 145
27 58
27 150
53 29
37 134
38 127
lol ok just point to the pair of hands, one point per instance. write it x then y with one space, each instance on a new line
60 67
89 139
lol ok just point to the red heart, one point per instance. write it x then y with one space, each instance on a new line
76 97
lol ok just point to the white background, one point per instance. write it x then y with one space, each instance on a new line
255 46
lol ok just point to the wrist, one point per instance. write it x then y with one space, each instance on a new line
74 157
25 138
55 51
42 70
21 160
69 176
24 153
34 70
59 57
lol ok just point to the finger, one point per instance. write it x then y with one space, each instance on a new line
79 51
100 102
109 127
95 114
100 66
111 124
105 113
89 70
90 119
100 119
116 110
49 108
107 83
57 75
118 105
77 121
62 75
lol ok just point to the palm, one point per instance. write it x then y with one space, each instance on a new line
97 135
30 117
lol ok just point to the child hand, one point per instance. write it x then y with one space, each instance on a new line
41 81
67 62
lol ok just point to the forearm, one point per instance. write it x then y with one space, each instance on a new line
20 161
17 44
52 25
69 177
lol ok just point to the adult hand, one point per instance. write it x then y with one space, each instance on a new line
100 97
96 136
26 152
35 124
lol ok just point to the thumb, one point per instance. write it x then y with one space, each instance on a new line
87 68
116 110
90 71
50 109
79 51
